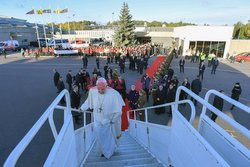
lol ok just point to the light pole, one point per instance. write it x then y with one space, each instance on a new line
74 26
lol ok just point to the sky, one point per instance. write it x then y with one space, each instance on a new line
213 12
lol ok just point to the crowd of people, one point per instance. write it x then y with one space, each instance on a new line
137 58
162 87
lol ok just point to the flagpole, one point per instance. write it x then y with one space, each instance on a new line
52 24
74 27
37 35
68 23
45 36
52 28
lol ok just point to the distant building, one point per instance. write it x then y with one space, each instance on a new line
205 39
87 35
20 30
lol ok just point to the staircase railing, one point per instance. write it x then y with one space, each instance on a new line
204 118
173 105
47 115
217 144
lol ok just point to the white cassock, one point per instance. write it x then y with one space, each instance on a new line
107 110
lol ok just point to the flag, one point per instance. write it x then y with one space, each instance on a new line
40 11
64 10
47 11
57 11
31 12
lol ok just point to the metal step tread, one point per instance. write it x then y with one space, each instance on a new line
146 165
132 162
120 157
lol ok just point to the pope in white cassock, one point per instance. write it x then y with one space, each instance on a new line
107 109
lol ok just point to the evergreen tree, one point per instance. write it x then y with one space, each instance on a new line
125 35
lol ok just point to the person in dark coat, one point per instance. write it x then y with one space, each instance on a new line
133 97
138 64
146 84
85 78
69 80
97 62
170 96
170 73
185 83
175 82
160 99
130 62
145 62
196 87
181 64
85 61
215 63
56 77
81 79
75 103
122 65
108 59
61 87
106 67
141 66
217 103
201 70
133 62
236 92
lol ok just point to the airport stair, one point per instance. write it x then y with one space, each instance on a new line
129 153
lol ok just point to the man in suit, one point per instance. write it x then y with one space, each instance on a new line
201 70
75 103
56 77
97 62
217 103
69 80
196 87
215 63
182 63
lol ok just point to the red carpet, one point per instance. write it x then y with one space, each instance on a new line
153 68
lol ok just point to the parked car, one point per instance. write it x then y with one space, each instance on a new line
243 57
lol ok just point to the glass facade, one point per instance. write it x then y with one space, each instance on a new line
216 47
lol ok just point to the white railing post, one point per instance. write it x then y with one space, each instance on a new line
52 125
84 118
146 115
134 114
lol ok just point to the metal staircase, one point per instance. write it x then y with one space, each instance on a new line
146 144
129 153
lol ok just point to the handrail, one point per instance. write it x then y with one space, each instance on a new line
48 114
207 105
78 110
224 117
172 104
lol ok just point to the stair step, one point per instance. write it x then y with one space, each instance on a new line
132 162
121 152
120 157
146 165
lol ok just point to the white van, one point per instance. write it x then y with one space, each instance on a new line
11 45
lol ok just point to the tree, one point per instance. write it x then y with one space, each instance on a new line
124 35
